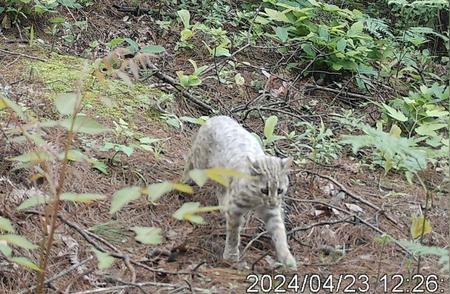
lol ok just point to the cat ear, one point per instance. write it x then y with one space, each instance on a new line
286 163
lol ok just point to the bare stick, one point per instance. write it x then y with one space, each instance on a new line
351 194
59 275
23 55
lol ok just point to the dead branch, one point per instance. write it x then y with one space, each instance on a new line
351 194
23 55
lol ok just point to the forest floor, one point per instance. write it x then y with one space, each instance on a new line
331 231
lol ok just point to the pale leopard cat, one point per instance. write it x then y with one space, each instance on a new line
222 142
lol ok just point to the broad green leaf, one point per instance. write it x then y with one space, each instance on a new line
148 235
104 259
100 165
25 262
395 131
269 126
14 106
183 188
5 225
429 129
185 17
57 19
148 140
84 124
276 15
115 42
220 51
187 212
5 249
418 225
341 45
199 176
155 191
220 175
67 103
83 198
239 79
355 29
37 156
394 113
198 121
2 103
74 155
436 112
123 197
323 32
33 201
282 33
186 34
155 49
133 46
18 241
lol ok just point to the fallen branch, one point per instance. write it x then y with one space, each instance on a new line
349 94
351 194
59 275
359 219
168 79
23 55
146 284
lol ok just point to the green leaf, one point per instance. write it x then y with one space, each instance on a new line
341 45
83 198
25 262
104 259
220 175
418 225
220 51
67 103
5 249
115 42
5 225
100 165
83 124
155 49
155 191
429 129
185 17
199 176
57 19
282 33
186 34
33 201
239 79
276 15
123 197
74 155
148 235
133 46
37 156
18 241
14 106
395 131
187 212
269 126
394 113
356 29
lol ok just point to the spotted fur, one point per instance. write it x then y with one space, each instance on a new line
222 142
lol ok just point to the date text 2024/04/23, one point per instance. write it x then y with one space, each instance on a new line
344 283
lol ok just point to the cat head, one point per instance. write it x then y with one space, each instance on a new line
271 178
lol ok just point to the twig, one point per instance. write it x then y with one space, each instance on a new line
351 194
23 55
349 94
160 75
115 288
378 230
116 254
251 242
59 275
346 220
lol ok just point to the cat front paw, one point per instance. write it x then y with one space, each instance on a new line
289 262
232 256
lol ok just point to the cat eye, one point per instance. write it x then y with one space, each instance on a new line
265 191
280 191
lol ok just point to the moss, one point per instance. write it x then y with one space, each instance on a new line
112 98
